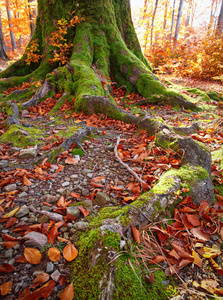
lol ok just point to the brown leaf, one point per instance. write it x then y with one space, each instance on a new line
198 233
220 198
157 259
68 293
6 268
71 161
75 195
84 211
70 252
54 254
5 288
40 279
21 260
217 268
209 285
150 278
197 259
221 233
203 208
9 244
42 292
61 201
26 181
185 262
32 255
62 280
136 234
193 220
10 222
95 182
24 293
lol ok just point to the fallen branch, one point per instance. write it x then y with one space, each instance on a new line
142 182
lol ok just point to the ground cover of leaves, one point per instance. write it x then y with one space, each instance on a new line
57 199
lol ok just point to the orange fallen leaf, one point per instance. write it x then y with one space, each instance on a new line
40 279
32 255
68 293
75 195
60 168
84 211
26 181
5 288
54 254
71 161
136 234
61 201
70 252
197 259
9 244
43 292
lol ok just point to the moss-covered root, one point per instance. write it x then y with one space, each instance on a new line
12 112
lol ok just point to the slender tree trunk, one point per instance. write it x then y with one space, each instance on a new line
32 17
165 15
219 29
172 21
12 36
152 23
3 54
188 18
178 21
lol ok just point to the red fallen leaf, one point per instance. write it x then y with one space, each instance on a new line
186 223
62 240
47 147
8 238
186 201
5 288
193 220
203 208
69 217
20 260
198 233
61 201
220 198
43 292
95 182
157 259
26 181
150 278
60 168
185 262
53 233
10 222
84 211
170 271
68 293
40 279
174 254
162 234
75 195
62 280
181 251
24 293
136 234
9 245
71 161
145 187
116 188
70 252
6 268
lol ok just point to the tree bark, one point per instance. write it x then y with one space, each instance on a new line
178 21
172 21
12 36
3 54
152 23
219 29
165 14
32 16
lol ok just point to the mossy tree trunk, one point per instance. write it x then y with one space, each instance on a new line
105 45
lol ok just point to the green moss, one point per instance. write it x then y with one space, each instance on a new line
217 156
204 96
111 240
16 135
76 151
128 286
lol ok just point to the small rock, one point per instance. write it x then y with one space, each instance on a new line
35 239
13 150
60 191
81 226
9 253
46 208
49 267
22 212
33 219
66 183
10 187
4 163
101 199
89 175
55 275
49 198
89 206
38 272
122 244
43 219
27 153
22 195
24 113
74 176
165 282
24 188
84 192
74 211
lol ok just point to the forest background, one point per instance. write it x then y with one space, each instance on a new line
178 37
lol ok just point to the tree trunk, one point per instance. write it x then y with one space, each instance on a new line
3 54
12 36
105 45
219 29
152 23
165 14
172 21
32 16
178 21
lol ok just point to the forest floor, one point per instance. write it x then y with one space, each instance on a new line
35 195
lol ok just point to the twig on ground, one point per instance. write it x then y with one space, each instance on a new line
142 182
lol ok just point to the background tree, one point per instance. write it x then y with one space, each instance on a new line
219 29
180 9
12 36
3 54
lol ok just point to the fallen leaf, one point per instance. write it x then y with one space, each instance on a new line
62 280
10 222
68 293
70 252
24 293
40 279
26 181
136 234
217 268
150 278
193 220
221 233
197 259
71 161
6 268
211 252
5 288
75 195
61 201
60 168
54 254
11 213
84 211
32 255
42 292
9 244
209 285
198 233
